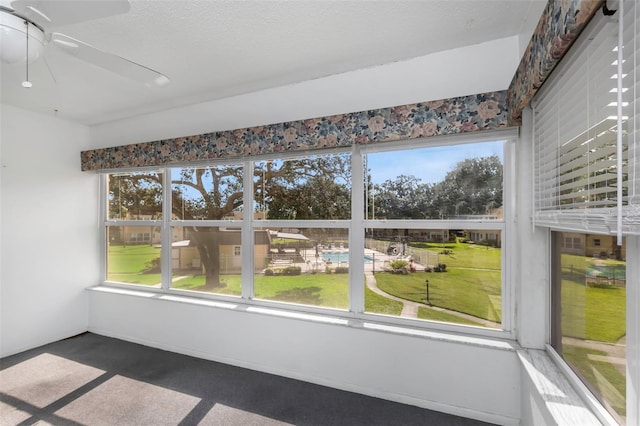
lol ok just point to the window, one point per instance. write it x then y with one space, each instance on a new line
586 173
577 243
204 259
589 300
315 187
443 276
134 209
308 266
423 234
442 258
132 261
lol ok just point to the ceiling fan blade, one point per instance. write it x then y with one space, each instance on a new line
109 61
55 13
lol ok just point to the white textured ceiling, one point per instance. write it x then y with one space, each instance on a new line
214 49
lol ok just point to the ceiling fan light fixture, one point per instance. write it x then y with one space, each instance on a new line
13 32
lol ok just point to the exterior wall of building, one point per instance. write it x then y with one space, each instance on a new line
594 245
493 237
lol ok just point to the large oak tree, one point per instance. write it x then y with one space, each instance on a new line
310 188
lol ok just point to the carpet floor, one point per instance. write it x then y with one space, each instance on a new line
96 380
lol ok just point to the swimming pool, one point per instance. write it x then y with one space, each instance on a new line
341 256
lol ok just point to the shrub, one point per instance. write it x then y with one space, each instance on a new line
152 266
440 268
269 272
292 270
400 266
342 270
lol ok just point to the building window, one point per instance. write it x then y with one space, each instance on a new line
311 240
577 243
589 320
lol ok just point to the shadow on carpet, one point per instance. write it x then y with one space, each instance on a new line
96 380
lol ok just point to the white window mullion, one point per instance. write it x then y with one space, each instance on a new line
165 229
247 233
633 331
356 233
508 236
103 206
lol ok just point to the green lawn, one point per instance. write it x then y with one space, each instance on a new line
328 290
474 292
465 255
127 264
594 311
458 290
376 304
588 311
433 315
233 284
604 376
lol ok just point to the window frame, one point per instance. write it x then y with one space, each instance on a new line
592 221
355 226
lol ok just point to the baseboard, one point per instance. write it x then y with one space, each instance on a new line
45 341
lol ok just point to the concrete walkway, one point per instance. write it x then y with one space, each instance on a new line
410 308
616 353
173 280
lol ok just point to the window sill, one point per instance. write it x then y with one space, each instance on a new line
560 403
347 320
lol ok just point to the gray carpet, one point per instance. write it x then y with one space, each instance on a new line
95 380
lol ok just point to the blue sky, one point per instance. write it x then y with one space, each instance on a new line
428 164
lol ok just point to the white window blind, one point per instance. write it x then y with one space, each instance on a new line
631 66
587 175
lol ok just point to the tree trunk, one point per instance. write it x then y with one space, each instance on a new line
208 244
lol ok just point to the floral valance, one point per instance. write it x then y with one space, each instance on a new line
560 24
473 113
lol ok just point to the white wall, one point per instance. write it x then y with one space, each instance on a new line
470 70
463 378
532 253
48 215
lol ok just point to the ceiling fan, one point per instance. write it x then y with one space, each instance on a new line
25 35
